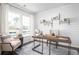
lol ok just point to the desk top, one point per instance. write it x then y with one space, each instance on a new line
54 38
39 36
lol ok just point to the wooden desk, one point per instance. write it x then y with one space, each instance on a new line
57 39
51 38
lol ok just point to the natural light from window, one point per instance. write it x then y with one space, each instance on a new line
18 23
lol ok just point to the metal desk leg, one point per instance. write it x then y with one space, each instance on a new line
42 46
78 51
39 41
69 49
56 45
36 46
49 47
34 42
47 43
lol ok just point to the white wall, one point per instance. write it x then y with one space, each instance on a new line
0 18
71 11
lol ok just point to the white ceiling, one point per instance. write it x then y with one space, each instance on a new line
38 7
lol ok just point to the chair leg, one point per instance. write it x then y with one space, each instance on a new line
2 52
14 53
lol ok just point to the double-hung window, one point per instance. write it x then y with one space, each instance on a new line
18 23
26 25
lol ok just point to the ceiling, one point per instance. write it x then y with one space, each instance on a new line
38 7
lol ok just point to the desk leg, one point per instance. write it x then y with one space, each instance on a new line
34 42
56 45
69 49
42 46
49 47
47 43
36 46
78 51
39 41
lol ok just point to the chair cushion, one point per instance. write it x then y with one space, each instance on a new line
15 42
8 40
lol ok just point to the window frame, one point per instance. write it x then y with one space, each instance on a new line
21 24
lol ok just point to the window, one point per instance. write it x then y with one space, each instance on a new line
18 23
25 25
13 23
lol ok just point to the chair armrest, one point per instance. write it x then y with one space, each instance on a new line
7 45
